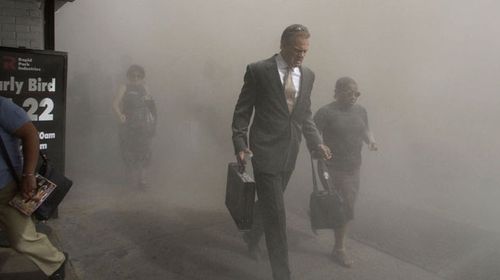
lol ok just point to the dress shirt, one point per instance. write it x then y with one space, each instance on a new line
283 68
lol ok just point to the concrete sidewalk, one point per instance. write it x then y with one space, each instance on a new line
309 261
14 266
153 234
182 234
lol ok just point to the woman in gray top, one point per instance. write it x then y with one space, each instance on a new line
344 127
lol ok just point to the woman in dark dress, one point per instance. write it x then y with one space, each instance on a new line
344 127
136 111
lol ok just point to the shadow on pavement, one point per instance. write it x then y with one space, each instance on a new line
183 242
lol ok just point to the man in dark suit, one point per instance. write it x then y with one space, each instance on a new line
277 91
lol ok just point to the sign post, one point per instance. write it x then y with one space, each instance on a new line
36 81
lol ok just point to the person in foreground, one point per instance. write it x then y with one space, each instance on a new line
344 127
278 91
16 127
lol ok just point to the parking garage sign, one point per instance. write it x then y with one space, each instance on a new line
36 81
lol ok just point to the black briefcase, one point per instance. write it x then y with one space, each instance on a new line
63 184
47 208
240 196
326 206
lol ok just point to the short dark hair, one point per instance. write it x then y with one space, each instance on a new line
343 83
136 69
292 31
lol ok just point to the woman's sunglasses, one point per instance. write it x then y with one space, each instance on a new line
352 93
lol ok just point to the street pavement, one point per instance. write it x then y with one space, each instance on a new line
116 231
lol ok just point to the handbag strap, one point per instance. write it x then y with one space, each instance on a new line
7 159
315 182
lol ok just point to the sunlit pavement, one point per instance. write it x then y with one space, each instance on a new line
113 231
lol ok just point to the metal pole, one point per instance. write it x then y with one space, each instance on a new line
49 42
48 24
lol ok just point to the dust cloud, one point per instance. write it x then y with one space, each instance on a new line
427 71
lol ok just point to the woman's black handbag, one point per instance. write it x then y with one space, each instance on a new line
326 206
45 211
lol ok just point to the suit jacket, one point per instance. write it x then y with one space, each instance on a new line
275 133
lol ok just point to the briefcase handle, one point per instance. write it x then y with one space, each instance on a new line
43 156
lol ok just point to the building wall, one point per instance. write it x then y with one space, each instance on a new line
21 23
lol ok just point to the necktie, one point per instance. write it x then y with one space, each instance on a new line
290 90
